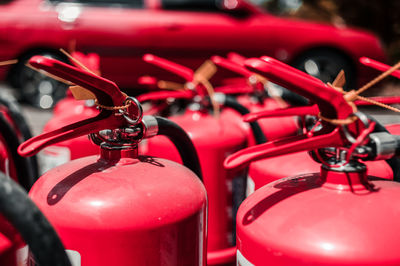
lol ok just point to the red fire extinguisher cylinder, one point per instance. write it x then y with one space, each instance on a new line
122 208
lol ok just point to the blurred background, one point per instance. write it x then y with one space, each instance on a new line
380 17
101 26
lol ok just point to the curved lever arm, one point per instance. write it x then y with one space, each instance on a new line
106 91
162 95
232 66
330 102
236 58
312 109
378 65
294 144
173 67
104 120
292 111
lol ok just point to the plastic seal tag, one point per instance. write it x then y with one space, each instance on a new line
81 93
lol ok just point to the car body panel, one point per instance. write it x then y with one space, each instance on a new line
122 35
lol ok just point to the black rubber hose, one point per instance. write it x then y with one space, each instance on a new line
231 102
21 125
394 162
23 167
182 142
36 231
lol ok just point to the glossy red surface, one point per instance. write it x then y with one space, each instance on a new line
318 219
213 139
122 210
122 35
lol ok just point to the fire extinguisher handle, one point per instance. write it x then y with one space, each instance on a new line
289 68
284 146
378 65
232 66
170 66
36 231
163 95
107 92
381 99
104 120
330 102
291 111
182 142
237 58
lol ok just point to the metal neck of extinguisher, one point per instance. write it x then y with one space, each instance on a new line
119 126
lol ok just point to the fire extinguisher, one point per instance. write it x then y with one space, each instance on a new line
121 208
214 138
21 224
270 169
340 216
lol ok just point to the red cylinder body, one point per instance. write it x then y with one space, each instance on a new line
320 219
124 209
214 139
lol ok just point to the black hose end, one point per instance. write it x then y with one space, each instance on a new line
182 142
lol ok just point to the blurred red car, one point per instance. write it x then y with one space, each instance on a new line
186 31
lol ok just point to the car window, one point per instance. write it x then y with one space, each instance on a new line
122 3
192 5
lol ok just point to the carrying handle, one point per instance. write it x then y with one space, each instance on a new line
236 58
232 66
378 65
106 91
294 144
110 99
291 111
331 103
313 109
163 95
173 67
102 121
